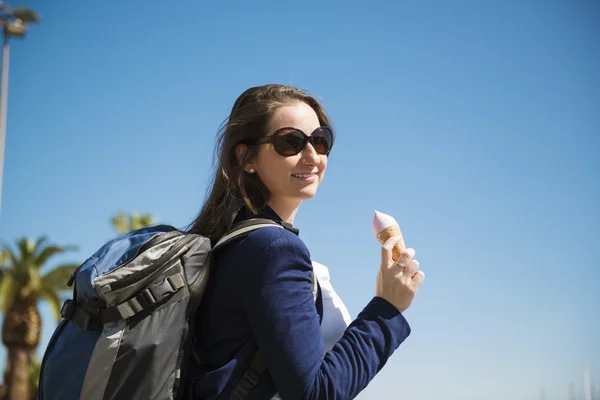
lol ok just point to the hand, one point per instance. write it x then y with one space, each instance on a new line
398 282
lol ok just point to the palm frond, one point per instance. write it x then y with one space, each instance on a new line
3 263
39 244
50 251
126 222
3 258
120 222
54 300
56 280
26 247
25 259
9 255
141 221
4 269
8 291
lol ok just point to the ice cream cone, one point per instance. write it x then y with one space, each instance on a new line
384 227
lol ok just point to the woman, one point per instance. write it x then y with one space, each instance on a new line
273 152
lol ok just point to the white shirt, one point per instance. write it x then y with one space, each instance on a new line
336 317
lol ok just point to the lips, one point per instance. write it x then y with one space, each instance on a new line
306 177
304 174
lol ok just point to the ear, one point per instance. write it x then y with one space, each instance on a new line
240 152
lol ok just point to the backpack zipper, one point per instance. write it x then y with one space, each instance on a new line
176 248
149 243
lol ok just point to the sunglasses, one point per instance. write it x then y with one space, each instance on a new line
291 141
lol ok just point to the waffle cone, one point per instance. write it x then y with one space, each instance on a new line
387 233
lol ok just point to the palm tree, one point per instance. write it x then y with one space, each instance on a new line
124 223
34 377
22 286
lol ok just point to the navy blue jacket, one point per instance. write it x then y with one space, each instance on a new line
260 294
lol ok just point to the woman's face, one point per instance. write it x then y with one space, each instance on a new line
295 178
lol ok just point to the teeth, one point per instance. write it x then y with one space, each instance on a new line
302 175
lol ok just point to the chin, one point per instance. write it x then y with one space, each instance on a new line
304 192
307 193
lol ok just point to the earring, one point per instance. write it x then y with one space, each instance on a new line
251 171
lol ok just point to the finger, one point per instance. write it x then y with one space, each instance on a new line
418 278
411 268
405 257
386 249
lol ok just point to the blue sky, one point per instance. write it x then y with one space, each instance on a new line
476 124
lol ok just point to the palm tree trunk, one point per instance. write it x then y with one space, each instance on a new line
16 375
21 331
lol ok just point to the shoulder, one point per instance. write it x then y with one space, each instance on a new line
273 239
269 249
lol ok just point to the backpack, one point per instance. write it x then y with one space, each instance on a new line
127 333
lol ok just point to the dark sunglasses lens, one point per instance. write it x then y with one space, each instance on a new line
322 139
289 143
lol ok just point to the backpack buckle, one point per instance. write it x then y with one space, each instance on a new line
87 322
67 309
250 379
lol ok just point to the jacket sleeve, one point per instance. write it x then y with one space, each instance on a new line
282 316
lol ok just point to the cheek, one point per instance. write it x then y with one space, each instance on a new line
275 171
324 160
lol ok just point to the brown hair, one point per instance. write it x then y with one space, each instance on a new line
232 186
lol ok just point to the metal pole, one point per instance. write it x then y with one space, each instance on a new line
587 390
3 100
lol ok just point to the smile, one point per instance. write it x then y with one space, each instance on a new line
305 177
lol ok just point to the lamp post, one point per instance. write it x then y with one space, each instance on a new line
14 22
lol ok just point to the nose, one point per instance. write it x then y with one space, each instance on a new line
310 155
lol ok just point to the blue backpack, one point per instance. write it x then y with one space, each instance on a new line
127 332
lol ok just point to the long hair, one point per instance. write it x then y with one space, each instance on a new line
232 186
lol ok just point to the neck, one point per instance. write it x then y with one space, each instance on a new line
285 209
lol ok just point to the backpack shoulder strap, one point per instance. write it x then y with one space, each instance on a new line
244 229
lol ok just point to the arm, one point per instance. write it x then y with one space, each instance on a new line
283 319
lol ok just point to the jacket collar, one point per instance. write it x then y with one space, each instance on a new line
268 213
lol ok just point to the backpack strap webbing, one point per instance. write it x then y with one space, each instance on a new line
250 378
92 318
244 229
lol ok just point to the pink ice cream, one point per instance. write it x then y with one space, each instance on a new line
384 227
382 221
